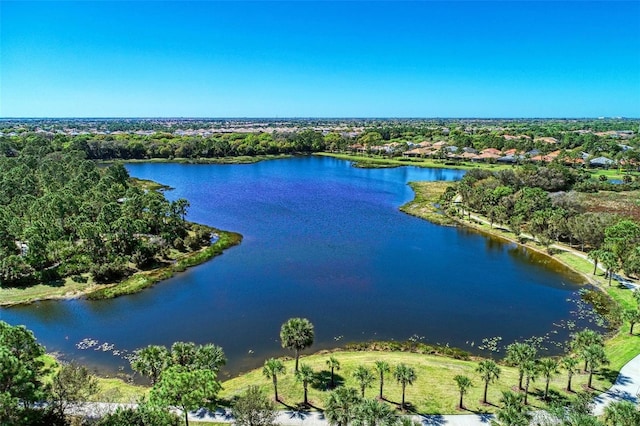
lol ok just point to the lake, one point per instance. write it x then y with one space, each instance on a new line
326 241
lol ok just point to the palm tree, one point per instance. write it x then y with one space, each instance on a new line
595 255
405 376
333 364
622 413
364 377
371 412
489 372
530 370
340 409
210 357
464 383
297 334
518 354
594 355
382 367
548 367
569 363
151 361
273 367
305 375
582 340
513 412
610 263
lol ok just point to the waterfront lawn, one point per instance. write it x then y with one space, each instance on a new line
434 391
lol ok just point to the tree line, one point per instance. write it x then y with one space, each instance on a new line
61 216
185 376
543 202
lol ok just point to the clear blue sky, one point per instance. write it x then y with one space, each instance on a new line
319 59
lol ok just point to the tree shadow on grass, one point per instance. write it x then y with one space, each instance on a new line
553 396
322 381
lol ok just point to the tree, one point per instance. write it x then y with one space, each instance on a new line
633 316
382 367
374 413
340 409
144 414
297 334
151 361
622 238
253 408
530 370
517 355
622 413
185 389
71 385
405 376
364 377
333 364
273 367
610 263
513 411
582 340
489 372
594 355
569 363
548 367
20 372
305 375
463 383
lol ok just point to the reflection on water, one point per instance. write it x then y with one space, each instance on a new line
326 241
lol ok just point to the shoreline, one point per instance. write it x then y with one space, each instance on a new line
143 279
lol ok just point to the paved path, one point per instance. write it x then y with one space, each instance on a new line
626 387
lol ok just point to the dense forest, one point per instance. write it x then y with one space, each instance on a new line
61 215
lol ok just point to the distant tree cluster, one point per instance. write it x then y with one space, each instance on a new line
61 215
540 201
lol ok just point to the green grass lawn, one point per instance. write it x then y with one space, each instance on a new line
433 392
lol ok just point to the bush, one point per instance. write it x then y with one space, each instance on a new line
109 272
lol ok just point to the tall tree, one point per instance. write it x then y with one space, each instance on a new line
382 367
364 377
272 368
530 369
297 334
333 364
463 383
518 354
582 340
305 376
547 367
489 372
569 364
185 389
72 384
405 376
594 356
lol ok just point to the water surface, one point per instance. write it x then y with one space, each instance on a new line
326 241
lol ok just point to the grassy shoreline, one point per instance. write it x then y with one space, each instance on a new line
139 281
620 346
244 159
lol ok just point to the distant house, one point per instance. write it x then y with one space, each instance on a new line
492 151
601 162
548 140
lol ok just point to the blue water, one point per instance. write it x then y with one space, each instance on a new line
326 241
